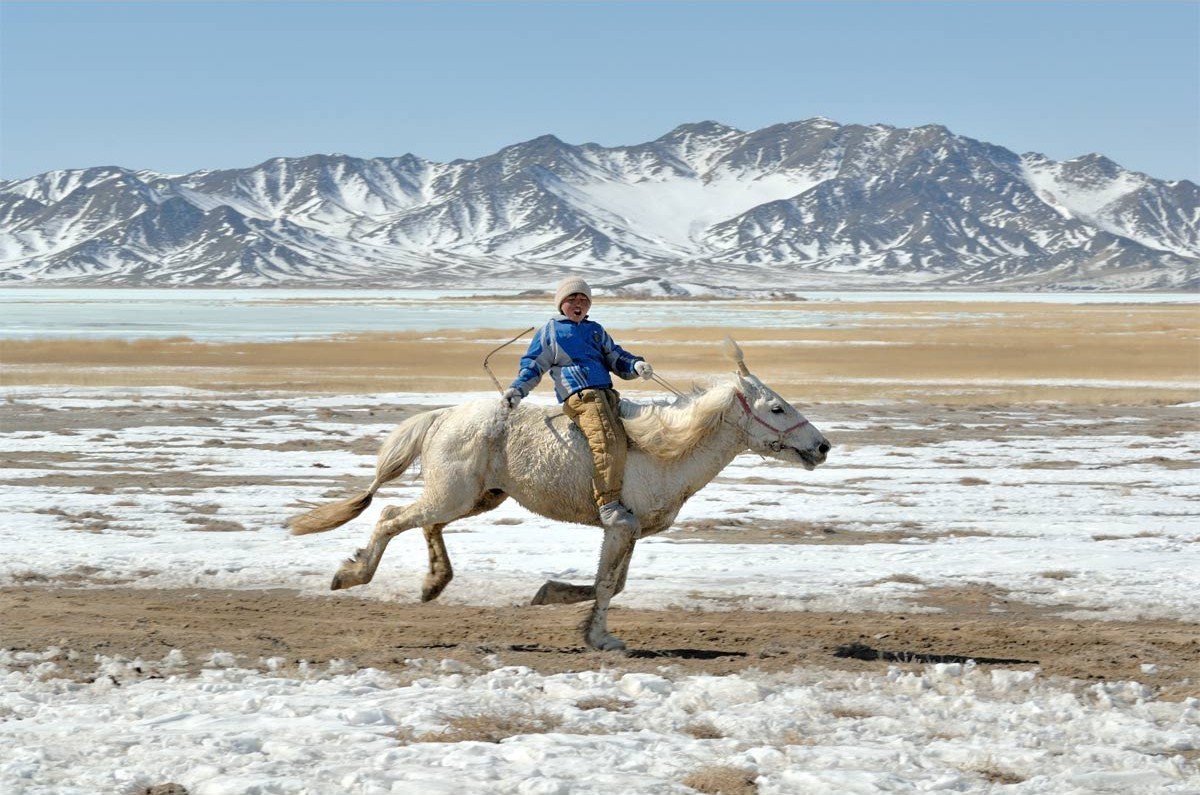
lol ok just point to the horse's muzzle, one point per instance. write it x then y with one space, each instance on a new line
812 457
816 456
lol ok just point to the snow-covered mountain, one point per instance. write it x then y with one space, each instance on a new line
810 204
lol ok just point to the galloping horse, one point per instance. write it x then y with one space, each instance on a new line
477 455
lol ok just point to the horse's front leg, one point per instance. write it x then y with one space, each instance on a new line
556 592
615 555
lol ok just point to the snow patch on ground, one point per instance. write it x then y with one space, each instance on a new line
275 728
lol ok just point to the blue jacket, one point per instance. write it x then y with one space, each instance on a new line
577 356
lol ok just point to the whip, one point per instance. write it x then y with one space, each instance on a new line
499 388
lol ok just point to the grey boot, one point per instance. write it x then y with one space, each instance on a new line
616 516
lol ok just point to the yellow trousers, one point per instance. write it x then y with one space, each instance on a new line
595 412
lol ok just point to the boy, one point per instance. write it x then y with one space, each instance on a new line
579 355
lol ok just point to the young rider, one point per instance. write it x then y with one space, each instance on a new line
579 355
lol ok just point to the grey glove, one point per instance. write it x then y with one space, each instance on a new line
643 369
512 398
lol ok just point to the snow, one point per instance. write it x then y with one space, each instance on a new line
238 731
1076 201
676 211
1118 530
1109 490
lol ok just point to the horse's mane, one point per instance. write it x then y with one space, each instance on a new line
672 431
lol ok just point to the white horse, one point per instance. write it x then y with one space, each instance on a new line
477 455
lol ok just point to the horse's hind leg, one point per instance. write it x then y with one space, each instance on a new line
440 570
615 554
393 521
360 567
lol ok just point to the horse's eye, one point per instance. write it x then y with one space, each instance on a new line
776 409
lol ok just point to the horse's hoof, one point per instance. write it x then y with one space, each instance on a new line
607 643
431 592
562 593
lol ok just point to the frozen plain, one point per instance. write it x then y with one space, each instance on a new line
1057 511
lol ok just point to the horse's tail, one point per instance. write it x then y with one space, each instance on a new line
396 454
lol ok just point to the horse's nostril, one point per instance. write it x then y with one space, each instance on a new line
823 448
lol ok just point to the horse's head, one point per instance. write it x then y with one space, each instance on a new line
773 426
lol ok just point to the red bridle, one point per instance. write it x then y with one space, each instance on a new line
782 433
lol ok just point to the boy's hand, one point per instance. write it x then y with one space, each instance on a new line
512 398
643 369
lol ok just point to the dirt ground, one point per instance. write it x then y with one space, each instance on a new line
255 625
948 353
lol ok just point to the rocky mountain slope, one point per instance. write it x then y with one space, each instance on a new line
810 204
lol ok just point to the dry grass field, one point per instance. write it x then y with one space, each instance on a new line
950 353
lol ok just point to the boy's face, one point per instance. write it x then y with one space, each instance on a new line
575 306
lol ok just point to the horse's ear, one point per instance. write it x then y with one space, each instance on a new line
733 352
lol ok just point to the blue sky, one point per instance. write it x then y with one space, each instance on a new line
178 87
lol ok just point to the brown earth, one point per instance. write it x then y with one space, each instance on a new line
254 625
951 352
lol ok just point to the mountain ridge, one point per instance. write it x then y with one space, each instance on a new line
791 205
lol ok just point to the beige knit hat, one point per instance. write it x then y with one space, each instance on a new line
570 286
